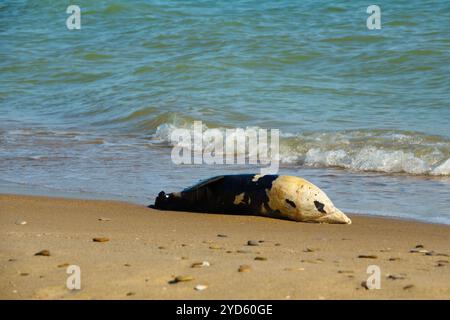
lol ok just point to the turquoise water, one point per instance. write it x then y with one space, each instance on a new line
363 113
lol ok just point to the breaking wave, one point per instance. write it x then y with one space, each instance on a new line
389 151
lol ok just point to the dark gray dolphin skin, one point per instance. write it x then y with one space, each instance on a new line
217 195
284 197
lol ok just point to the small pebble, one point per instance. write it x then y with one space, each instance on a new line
200 287
63 265
394 259
243 251
215 247
396 277
419 246
130 293
183 278
21 222
345 271
100 239
277 244
44 253
252 243
200 264
260 258
127 265
409 286
367 256
245 268
364 285
184 258
24 274
161 248
312 261
309 250
419 251
104 219
222 235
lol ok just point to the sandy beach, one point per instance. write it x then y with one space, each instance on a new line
145 249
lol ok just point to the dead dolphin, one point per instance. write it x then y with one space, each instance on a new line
285 197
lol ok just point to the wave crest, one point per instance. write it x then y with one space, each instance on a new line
388 151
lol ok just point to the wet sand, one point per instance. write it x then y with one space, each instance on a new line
139 252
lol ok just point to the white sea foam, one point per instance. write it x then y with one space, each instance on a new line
357 150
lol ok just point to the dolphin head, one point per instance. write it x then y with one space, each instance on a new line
315 206
300 200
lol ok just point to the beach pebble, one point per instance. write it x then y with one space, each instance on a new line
243 251
415 250
260 258
104 219
396 277
345 271
419 246
312 261
277 244
161 247
127 265
184 258
215 247
364 285
222 235
200 287
24 274
409 286
367 256
245 268
100 239
200 264
309 250
130 294
394 259
183 278
63 265
44 253
21 222
252 243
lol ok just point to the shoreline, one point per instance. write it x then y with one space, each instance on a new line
27 191
147 249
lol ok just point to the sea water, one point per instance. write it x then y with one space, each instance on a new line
364 114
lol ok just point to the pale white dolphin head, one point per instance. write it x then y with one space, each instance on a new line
300 200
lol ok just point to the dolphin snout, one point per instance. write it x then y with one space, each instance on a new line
336 216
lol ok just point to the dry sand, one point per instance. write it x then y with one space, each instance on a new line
148 248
